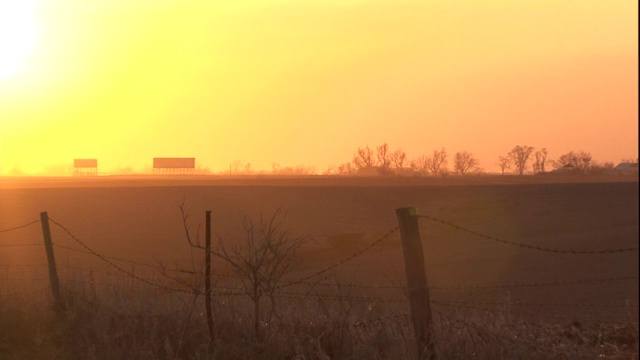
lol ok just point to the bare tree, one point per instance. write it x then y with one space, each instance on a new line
345 169
519 156
384 158
539 161
397 158
585 160
438 164
579 160
421 164
262 261
331 170
363 158
504 162
464 162
306 170
234 167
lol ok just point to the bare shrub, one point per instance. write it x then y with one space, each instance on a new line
267 255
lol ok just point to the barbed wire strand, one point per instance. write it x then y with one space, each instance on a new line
526 246
21 245
116 285
110 262
109 273
22 278
343 261
133 262
22 265
19 227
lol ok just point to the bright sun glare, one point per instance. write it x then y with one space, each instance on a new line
18 33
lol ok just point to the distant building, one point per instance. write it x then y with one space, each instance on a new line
626 168
174 166
85 167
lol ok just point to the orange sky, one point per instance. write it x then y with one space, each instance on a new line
307 82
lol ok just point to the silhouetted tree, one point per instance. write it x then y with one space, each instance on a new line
438 163
397 158
519 156
464 162
363 158
540 158
579 160
384 158
421 164
331 170
234 167
504 162
345 169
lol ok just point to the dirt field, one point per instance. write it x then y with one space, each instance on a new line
139 219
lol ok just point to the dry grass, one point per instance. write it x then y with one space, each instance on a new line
131 322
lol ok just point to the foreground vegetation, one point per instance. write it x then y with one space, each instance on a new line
126 321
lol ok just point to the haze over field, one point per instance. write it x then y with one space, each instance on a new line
307 82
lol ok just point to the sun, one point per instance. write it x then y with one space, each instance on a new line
18 35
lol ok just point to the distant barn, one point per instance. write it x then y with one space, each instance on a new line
85 167
174 166
626 168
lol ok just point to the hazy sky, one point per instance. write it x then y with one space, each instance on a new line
308 81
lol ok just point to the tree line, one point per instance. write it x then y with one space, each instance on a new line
384 161
521 159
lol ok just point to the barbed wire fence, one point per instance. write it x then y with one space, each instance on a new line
320 285
113 261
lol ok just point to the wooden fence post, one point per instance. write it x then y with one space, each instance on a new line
58 305
207 281
416 282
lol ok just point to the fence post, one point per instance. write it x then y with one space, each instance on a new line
58 305
207 281
416 282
